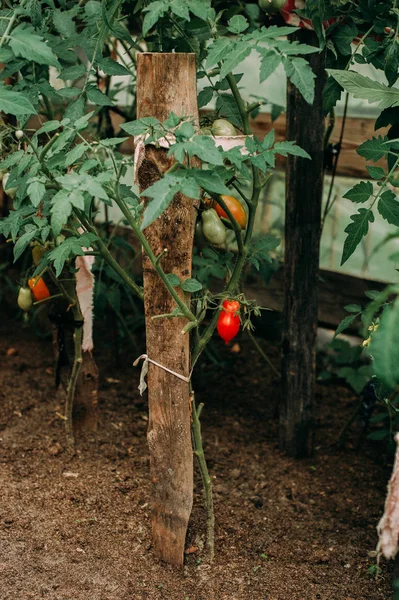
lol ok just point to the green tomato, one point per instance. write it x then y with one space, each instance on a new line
25 301
223 127
271 7
213 228
19 134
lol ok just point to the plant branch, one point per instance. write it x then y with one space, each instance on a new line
148 250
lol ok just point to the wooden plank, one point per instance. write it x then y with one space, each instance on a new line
357 130
304 194
165 83
336 290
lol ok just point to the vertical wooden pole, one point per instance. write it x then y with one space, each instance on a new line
304 188
165 83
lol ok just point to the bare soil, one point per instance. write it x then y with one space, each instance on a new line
78 528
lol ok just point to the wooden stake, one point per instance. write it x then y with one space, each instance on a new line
165 83
304 188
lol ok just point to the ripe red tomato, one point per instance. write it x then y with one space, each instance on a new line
39 288
236 209
229 321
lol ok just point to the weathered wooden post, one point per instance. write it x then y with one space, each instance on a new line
165 83
304 189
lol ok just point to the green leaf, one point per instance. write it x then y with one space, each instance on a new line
376 172
388 207
315 10
345 323
93 187
47 127
379 435
218 51
360 192
301 75
391 63
36 191
63 22
162 193
266 33
210 181
97 97
384 346
6 55
71 247
331 94
26 43
205 96
270 61
75 110
15 103
343 37
140 126
154 11
60 211
191 286
374 149
111 67
113 141
173 279
235 57
366 88
356 231
268 140
73 72
356 308
74 154
69 92
237 24
23 242
286 148
202 146
180 8
200 8
226 106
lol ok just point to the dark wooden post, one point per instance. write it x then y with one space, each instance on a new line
304 188
165 83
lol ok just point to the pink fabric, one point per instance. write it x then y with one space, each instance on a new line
388 527
84 291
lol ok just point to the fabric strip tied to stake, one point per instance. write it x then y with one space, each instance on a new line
144 370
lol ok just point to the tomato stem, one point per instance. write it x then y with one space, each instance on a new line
206 478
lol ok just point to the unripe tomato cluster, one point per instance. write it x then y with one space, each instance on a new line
210 228
37 289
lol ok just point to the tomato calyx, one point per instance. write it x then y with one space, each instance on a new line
231 306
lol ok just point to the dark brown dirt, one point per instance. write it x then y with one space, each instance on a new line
79 528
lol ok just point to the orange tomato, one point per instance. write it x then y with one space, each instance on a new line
39 288
236 209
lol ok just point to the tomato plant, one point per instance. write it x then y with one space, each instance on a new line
62 161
